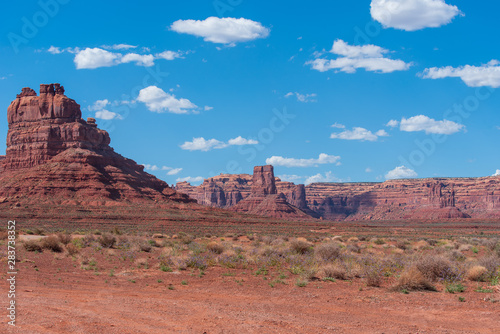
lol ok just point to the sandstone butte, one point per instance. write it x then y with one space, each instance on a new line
55 157
430 199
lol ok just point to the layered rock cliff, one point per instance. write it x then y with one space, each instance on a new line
436 198
54 156
264 198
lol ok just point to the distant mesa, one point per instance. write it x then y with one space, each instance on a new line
427 199
53 156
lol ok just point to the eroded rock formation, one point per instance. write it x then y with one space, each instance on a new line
437 198
55 156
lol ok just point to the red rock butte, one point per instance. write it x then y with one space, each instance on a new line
430 199
54 156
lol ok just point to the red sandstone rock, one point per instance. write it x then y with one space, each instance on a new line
53 156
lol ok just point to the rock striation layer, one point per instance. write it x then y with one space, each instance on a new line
55 156
264 198
434 198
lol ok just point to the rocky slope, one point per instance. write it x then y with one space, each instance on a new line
436 198
264 198
55 157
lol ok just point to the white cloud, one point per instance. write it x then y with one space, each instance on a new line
3 78
401 172
119 47
369 57
95 58
226 30
169 55
358 133
174 171
190 179
303 97
98 105
328 177
207 108
107 115
338 126
54 50
472 76
290 178
201 144
150 167
392 123
242 141
292 162
140 60
100 111
157 100
429 125
368 170
92 58
497 173
411 15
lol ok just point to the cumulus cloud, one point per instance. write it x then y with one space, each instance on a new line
190 179
327 177
92 58
292 162
303 97
202 144
358 133
411 15
497 173
242 141
350 58
225 30
140 60
392 123
157 100
401 172
429 125
170 170
472 76
368 170
95 58
150 167
169 55
102 113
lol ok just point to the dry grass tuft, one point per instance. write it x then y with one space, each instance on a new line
32 246
52 243
477 273
328 252
335 271
413 279
215 247
300 245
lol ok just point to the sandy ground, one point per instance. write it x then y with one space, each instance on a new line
62 298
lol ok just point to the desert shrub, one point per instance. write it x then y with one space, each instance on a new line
309 273
64 238
87 240
379 241
354 248
335 271
52 243
402 244
492 264
437 267
72 249
32 246
300 246
432 242
38 231
107 240
413 279
328 252
457 255
373 277
186 238
196 261
145 246
215 247
477 273
491 244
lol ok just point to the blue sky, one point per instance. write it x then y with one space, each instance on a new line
328 91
